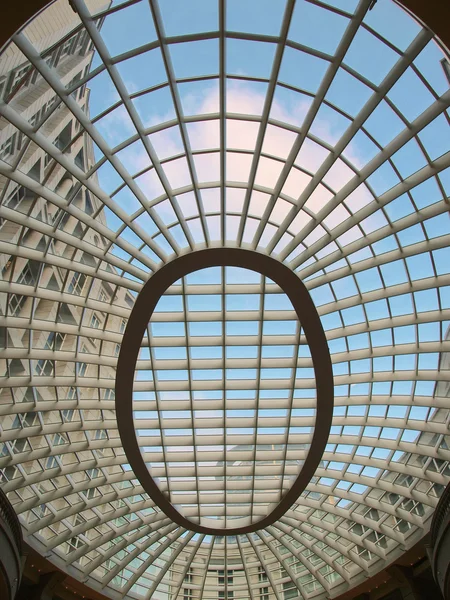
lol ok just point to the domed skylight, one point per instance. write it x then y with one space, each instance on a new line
314 132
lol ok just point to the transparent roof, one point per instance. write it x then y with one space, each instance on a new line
134 132
219 396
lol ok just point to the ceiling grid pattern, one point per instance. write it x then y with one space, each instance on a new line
277 133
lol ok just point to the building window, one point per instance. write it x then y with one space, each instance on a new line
74 543
55 341
81 369
59 439
29 273
16 196
51 462
95 321
67 415
2 86
15 304
264 591
76 284
8 148
45 368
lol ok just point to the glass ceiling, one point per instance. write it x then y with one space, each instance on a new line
236 454
315 132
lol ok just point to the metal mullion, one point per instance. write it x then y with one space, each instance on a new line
51 429
25 381
285 526
291 518
22 179
294 364
100 116
334 9
425 450
205 573
111 203
381 38
378 351
379 260
88 77
296 128
69 167
268 572
122 91
158 410
60 235
276 65
330 73
190 391
60 355
309 545
159 86
144 531
193 552
70 265
88 525
258 389
43 453
118 58
112 9
293 88
416 313
172 535
393 375
127 539
357 123
290 43
356 518
245 78
293 552
159 26
101 540
225 565
425 82
51 326
379 202
224 379
36 478
247 576
169 563
222 109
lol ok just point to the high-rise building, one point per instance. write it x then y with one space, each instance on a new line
251 200
27 217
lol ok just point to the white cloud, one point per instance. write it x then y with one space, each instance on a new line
242 135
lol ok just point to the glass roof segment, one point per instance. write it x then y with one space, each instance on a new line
135 132
221 357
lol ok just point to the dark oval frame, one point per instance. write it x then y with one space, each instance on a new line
139 318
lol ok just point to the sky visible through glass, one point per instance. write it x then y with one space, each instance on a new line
228 431
315 132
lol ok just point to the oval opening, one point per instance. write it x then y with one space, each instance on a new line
224 390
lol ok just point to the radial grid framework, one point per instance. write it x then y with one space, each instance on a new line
315 132
233 443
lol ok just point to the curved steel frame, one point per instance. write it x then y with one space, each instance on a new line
394 468
140 316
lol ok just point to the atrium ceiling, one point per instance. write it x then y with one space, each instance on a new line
136 134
